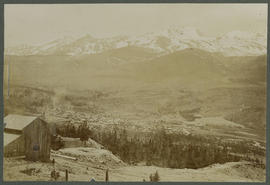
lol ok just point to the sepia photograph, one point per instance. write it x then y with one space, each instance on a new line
135 92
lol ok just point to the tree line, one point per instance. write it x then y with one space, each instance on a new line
160 148
70 130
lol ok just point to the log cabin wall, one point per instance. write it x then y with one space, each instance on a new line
15 148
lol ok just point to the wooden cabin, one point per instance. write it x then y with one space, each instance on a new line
28 136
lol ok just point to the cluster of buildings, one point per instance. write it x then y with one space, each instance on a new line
27 136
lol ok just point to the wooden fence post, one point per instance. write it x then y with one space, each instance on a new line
66 175
107 175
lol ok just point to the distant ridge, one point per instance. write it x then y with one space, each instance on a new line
235 43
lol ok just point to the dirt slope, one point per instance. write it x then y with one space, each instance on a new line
229 172
15 169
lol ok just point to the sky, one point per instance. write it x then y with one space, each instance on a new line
36 24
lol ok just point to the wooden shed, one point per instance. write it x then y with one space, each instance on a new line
26 135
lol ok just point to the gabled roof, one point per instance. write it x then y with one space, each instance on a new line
17 122
8 138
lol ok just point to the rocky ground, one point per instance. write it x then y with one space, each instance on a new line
85 163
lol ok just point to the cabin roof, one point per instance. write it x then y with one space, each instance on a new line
8 138
17 122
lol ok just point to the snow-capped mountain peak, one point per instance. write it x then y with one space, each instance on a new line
234 43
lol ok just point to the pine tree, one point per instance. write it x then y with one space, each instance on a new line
83 130
156 177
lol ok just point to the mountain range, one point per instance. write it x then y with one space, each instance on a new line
235 43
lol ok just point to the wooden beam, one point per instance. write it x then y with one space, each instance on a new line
64 156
